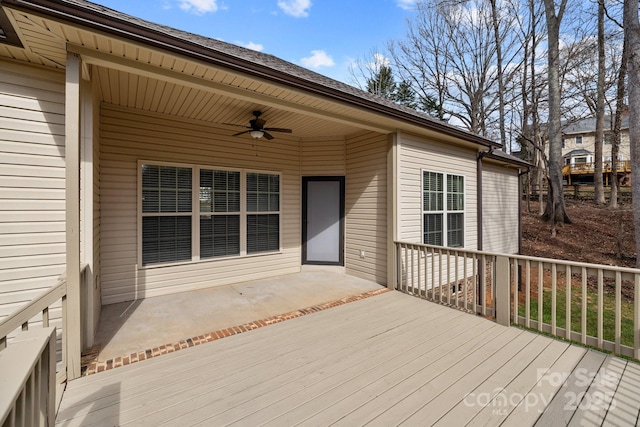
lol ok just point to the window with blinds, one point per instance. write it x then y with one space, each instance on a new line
166 214
442 209
219 213
235 213
263 212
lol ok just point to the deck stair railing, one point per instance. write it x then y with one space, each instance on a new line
33 358
595 305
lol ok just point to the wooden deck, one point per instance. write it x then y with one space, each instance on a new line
386 360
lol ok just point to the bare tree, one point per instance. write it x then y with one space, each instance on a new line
632 37
555 210
617 126
450 53
495 21
598 193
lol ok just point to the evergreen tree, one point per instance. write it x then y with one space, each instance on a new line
405 95
382 83
429 105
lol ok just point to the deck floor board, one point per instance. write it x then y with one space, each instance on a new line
387 360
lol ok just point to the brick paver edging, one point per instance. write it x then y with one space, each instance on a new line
94 366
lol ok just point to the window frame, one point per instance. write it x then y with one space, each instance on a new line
445 211
196 213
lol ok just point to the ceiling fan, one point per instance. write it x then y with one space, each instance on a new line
256 128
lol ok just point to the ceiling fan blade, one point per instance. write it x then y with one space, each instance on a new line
240 133
235 124
278 130
267 135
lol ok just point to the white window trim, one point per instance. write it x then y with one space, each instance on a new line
195 213
445 234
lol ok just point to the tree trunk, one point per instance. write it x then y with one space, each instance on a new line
617 126
598 193
555 210
501 90
632 37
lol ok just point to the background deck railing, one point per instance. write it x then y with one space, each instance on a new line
31 324
596 305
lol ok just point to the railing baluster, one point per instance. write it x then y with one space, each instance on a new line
474 284
527 294
465 279
406 268
600 336
483 278
45 317
440 274
413 269
554 296
448 277
433 274
456 280
583 337
568 293
25 326
419 272
636 316
618 315
540 294
514 281
493 283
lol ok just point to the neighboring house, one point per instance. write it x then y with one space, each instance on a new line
119 152
578 148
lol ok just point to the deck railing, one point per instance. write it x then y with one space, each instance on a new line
589 168
28 334
596 305
28 372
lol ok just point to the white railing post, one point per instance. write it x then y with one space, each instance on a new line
503 291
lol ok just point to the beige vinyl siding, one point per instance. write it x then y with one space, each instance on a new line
499 209
129 135
324 157
32 187
366 207
416 156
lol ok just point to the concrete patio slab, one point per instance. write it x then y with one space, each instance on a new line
132 326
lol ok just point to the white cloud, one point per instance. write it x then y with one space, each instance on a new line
253 46
318 58
296 8
406 4
378 61
199 6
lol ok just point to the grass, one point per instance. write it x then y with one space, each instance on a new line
609 304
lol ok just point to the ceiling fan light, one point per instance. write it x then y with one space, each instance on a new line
256 134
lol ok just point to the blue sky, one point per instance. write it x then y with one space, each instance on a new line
322 35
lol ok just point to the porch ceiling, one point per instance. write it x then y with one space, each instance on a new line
158 96
137 76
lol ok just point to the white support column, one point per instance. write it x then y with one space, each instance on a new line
86 198
72 206
392 210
